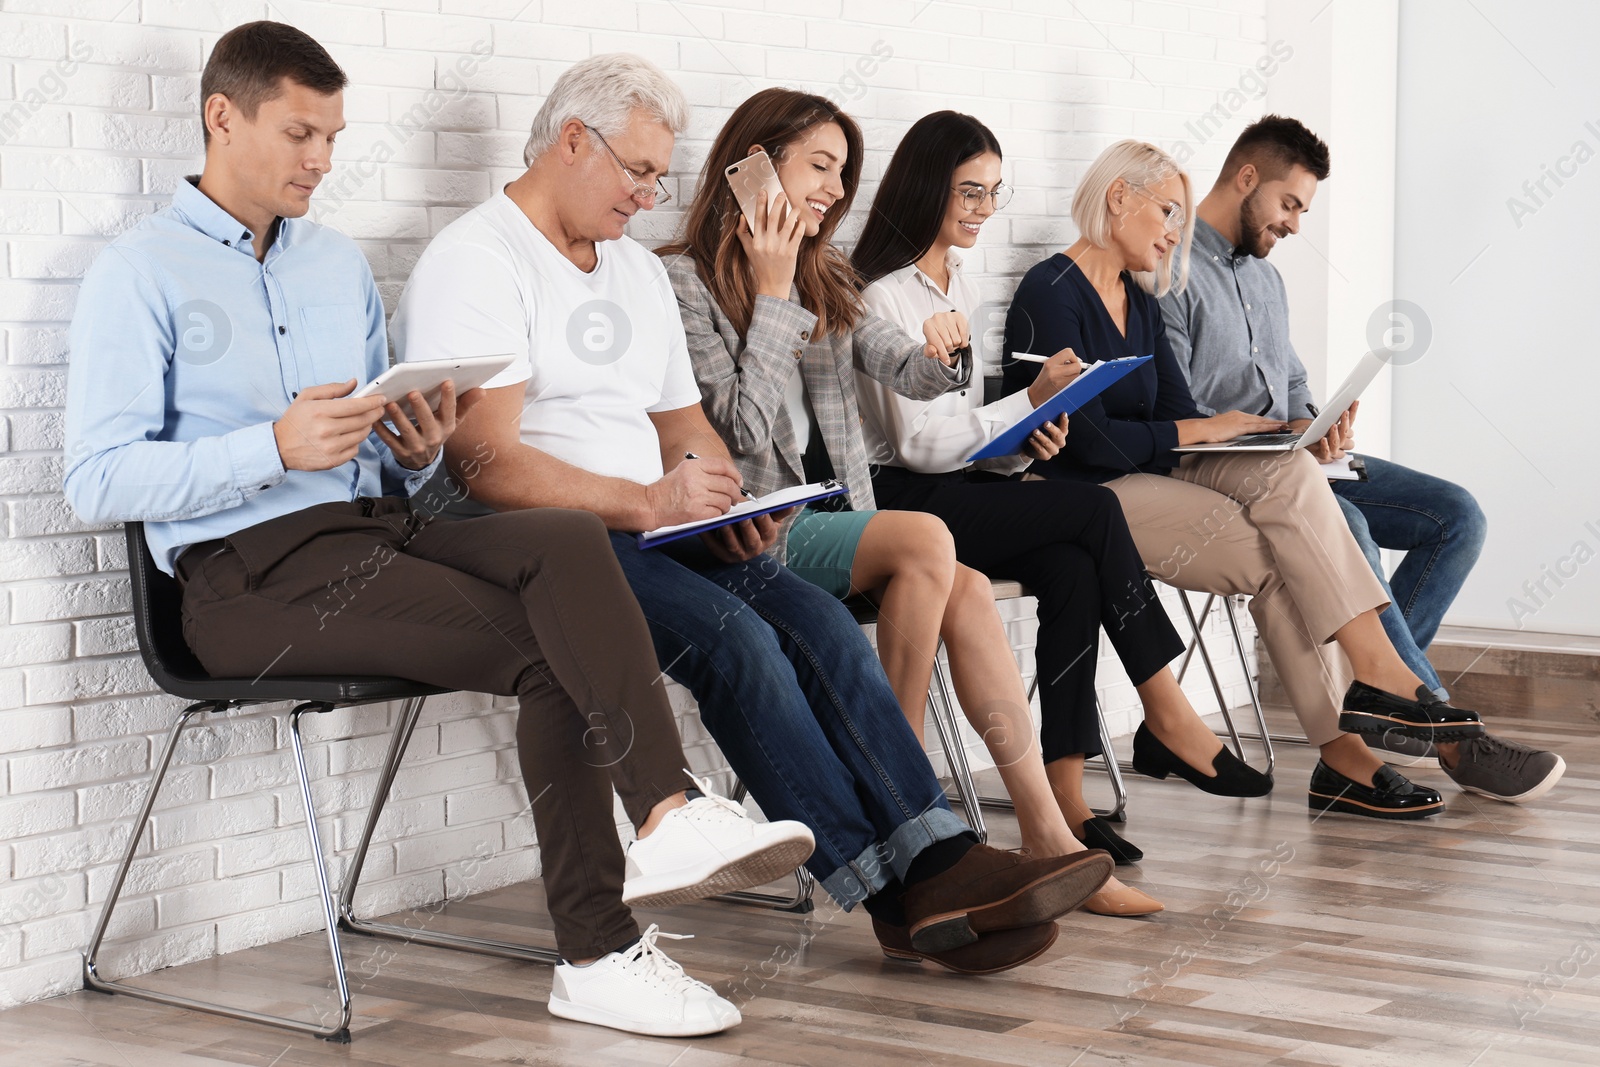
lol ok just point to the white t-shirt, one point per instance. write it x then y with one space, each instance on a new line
597 352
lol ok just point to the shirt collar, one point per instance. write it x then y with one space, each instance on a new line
1207 237
952 263
207 216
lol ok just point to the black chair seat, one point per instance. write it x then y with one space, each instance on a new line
157 618
862 610
318 689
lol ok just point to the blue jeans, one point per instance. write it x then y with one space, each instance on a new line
794 696
1439 527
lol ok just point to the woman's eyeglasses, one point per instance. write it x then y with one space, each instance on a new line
1171 211
973 196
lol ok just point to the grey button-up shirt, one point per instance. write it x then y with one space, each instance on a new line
1230 331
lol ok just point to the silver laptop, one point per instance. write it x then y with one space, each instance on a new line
1366 370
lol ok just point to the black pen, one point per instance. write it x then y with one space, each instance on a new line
742 489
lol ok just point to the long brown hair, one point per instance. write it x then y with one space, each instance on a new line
775 119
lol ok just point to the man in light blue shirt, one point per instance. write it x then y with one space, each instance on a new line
214 350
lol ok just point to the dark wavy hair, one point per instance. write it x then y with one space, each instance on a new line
910 205
776 119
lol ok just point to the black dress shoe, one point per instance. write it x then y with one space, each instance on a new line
1233 778
1372 711
1098 833
1390 796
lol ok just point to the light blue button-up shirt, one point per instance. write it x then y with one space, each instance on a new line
185 351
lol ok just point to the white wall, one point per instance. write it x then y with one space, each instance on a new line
1499 127
1339 270
98 100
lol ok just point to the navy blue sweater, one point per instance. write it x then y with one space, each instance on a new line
1129 427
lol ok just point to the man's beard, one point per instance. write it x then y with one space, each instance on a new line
1252 234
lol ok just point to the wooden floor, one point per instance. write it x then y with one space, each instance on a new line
1473 938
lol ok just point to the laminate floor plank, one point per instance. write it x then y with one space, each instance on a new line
1470 940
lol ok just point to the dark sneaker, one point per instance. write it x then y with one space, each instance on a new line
1390 796
990 954
1394 747
991 890
1372 711
1494 767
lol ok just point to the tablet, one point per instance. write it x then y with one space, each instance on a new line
429 375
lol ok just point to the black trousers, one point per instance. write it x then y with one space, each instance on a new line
1068 543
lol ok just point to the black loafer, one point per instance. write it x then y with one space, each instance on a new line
1233 778
1390 796
1372 711
1098 833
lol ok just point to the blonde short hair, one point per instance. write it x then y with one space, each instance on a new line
604 91
1140 165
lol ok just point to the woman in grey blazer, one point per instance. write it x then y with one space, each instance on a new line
777 331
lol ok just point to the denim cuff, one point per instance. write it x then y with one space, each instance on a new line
871 871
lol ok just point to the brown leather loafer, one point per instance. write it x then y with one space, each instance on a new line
990 954
993 890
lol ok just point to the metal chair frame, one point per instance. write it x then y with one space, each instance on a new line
1263 736
157 602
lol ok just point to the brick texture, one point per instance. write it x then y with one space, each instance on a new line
97 118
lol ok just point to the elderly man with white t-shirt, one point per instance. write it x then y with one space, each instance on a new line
600 411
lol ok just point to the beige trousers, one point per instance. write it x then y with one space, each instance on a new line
1262 524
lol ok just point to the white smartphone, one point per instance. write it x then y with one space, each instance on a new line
747 178
429 375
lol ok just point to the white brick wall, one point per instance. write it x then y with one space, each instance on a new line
97 120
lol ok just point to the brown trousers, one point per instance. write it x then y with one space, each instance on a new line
530 603
1266 525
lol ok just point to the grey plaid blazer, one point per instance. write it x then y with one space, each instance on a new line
742 382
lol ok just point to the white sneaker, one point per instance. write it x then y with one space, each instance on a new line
710 846
640 990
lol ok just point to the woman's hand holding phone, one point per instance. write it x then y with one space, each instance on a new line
771 241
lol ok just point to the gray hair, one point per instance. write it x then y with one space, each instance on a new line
604 91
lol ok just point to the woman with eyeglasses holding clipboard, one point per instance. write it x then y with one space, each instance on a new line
1067 544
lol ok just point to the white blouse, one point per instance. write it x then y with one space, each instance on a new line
931 436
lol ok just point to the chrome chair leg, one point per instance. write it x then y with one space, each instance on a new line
955 753
1265 736
340 1031
404 726
1211 669
1108 756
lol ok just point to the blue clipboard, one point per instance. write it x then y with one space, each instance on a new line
783 498
1082 389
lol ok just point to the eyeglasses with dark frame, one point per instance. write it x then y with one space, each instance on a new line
652 194
972 198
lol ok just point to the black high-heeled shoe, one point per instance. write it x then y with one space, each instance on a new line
1098 833
1233 778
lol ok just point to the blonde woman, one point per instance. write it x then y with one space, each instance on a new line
1261 524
